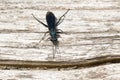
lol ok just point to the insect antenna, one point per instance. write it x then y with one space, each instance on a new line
54 51
55 48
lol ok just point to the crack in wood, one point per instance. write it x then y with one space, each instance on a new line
28 31
75 64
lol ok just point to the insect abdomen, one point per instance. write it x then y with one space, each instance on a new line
51 20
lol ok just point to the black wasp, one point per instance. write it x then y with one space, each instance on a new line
52 23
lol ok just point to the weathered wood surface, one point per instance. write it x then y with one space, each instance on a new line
92 25
92 30
106 72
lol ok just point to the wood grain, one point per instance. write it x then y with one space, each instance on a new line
91 30
106 72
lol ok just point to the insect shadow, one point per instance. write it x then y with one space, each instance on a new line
52 23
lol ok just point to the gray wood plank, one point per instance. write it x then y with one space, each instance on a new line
106 72
92 33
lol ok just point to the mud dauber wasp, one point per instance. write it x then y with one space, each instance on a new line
52 23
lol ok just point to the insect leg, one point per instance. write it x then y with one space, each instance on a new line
40 21
60 20
44 36
59 31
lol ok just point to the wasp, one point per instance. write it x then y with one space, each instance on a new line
52 23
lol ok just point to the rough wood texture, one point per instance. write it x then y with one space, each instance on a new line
92 30
106 72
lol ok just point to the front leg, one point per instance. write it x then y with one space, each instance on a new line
43 36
